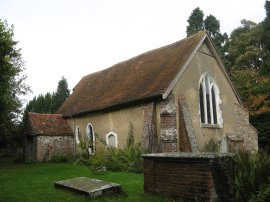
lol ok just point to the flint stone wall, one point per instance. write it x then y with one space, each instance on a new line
48 146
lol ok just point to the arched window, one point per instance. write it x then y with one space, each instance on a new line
209 102
77 135
90 136
111 139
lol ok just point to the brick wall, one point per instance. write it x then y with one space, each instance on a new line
168 127
47 146
184 175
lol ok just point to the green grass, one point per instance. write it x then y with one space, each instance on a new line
35 182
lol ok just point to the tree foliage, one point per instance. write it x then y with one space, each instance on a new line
12 79
250 69
196 22
50 102
61 94
246 55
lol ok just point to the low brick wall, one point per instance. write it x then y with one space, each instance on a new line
184 175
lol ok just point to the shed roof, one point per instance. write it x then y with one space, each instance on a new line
48 124
147 75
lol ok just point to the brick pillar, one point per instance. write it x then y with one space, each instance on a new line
168 127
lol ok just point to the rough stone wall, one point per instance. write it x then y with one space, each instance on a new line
48 146
187 135
149 127
244 130
168 127
190 179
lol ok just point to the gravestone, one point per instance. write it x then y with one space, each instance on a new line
89 187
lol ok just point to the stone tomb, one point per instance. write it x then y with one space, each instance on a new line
190 176
89 187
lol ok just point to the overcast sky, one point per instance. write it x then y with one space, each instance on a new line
73 38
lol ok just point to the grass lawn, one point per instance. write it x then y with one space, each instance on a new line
35 182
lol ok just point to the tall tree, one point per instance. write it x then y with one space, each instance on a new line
50 102
266 38
40 104
61 94
195 21
220 40
245 50
12 79
250 59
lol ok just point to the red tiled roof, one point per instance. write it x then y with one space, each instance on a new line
49 124
143 76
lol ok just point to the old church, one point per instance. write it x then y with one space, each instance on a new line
176 98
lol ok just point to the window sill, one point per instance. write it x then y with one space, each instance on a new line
218 126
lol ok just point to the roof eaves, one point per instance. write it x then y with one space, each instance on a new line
31 122
183 69
54 134
115 105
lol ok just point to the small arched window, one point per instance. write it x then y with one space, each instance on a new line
90 136
77 135
111 139
209 101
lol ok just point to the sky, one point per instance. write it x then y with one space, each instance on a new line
73 38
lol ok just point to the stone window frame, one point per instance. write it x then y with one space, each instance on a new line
210 99
77 134
93 150
116 139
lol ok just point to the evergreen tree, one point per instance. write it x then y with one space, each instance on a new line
50 102
220 40
212 25
61 94
12 80
195 21
265 37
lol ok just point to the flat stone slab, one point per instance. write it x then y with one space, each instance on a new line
89 187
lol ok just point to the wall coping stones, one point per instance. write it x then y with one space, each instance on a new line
186 155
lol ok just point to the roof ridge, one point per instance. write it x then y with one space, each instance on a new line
44 113
145 75
145 53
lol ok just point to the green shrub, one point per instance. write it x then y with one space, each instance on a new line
19 158
80 160
130 139
252 172
113 161
262 195
60 159
128 159
97 163
223 176
132 159
211 146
